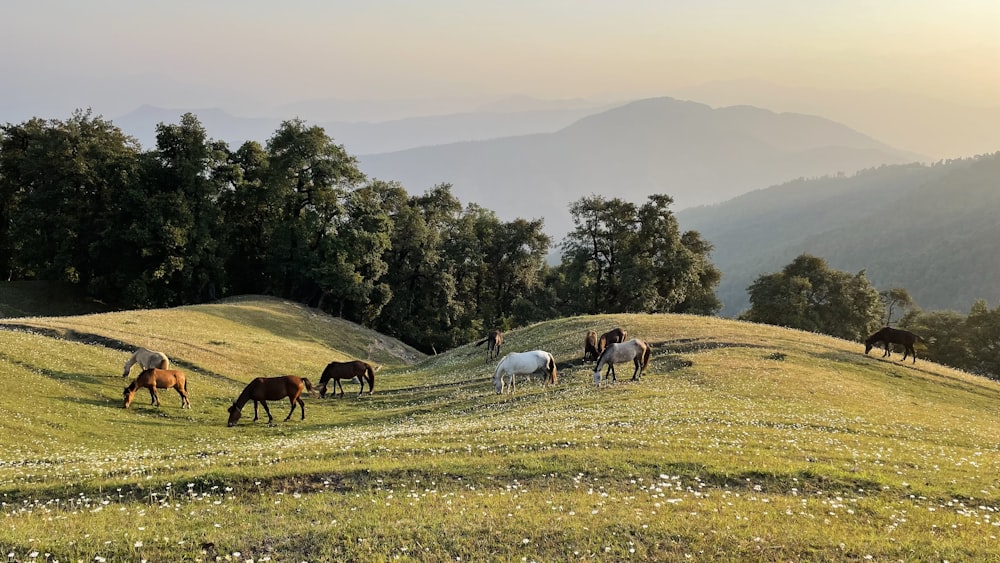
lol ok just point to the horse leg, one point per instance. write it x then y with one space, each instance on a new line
340 385
291 400
361 380
302 405
255 403
268 411
635 374
185 402
156 396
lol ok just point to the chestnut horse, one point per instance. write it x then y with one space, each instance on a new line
611 337
265 389
635 350
524 363
590 353
887 336
147 359
348 370
494 341
158 378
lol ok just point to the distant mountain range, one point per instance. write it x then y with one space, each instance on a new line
690 151
931 229
500 119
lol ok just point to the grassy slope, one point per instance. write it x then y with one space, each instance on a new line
742 441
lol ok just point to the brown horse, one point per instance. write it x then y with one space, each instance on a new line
158 378
347 370
493 343
888 336
610 337
265 389
590 353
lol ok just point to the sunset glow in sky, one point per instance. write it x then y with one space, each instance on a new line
247 55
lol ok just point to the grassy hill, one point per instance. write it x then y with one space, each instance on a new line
741 442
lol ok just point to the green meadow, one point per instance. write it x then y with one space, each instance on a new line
741 442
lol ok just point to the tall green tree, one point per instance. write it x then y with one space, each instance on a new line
60 183
809 295
627 258
424 306
311 177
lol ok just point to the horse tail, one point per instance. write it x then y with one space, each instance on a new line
308 384
551 366
646 354
483 341
370 374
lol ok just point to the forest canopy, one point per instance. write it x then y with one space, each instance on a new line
191 220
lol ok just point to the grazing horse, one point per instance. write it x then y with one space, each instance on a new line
493 343
887 336
146 359
158 378
610 337
635 350
265 389
348 370
524 363
590 353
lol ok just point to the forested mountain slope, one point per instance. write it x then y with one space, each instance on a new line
930 229
690 151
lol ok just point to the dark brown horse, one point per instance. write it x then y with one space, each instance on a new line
610 337
590 353
347 370
265 389
493 343
158 378
888 336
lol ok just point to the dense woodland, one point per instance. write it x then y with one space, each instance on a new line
191 220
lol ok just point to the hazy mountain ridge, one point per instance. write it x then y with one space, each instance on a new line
368 136
930 229
688 150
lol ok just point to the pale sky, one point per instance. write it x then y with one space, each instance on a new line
250 55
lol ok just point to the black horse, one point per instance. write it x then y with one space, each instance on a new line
887 336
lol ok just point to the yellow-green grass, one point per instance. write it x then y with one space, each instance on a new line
741 442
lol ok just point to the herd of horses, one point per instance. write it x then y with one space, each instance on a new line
606 350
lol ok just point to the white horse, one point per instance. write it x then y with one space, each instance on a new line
524 363
635 350
147 359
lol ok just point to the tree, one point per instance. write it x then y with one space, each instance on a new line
309 177
627 258
808 295
60 183
893 298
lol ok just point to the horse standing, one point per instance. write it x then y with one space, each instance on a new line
265 389
590 353
348 370
493 343
524 363
147 359
610 337
887 336
635 350
158 378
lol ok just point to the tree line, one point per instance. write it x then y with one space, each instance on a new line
191 220
809 295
